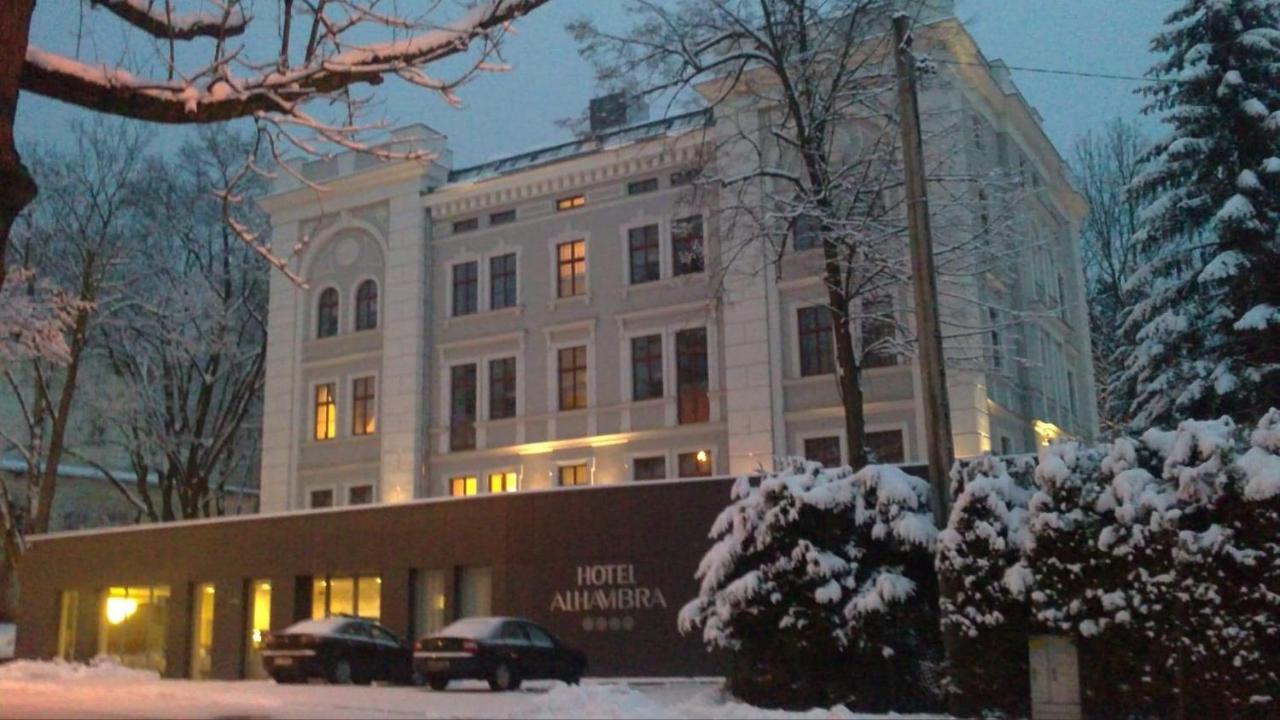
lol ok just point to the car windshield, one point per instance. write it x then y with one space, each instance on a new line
471 628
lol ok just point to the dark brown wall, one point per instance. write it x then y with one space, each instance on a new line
535 543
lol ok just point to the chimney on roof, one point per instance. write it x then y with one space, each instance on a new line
617 110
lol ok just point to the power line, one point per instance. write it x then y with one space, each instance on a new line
1051 71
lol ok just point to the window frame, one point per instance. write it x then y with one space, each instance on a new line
456 441
358 304
648 360
585 464
329 291
711 462
814 367
637 458
652 252
370 399
514 275
506 473
453 286
503 217
584 369
557 263
841 453
472 480
333 497
702 403
677 269
570 202
335 390
489 363
349 487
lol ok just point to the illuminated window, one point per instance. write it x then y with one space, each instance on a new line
346 595
571 263
463 486
692 384
503 482
640 187
202 631
259 624
649 468
825 450
571 475
462 407
885 446
363 407
816 354
571 203
694 464
320 498
502 281
878 332
686 246
326 412
360 495
646 367
502 388
642 246
466 288
134 627
367 305
327 313
573 377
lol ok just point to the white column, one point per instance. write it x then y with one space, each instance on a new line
279 426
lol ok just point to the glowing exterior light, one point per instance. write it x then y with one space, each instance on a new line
120 609
702 456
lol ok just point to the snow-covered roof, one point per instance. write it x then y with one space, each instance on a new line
673 125
318 626
473 627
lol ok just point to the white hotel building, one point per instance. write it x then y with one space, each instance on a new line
539 320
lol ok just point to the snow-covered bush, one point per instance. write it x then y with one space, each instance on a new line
819 584
982 606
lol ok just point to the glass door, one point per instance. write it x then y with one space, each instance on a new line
202 632
258 622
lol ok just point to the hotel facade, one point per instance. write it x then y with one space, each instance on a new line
520 388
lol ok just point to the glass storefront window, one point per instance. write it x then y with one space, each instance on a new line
475 591
369 597
202 631
69 614
342 596
346 595
259 624
429 596
135 621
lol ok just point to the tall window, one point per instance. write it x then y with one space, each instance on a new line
466 288
646 367
573 377
691 376
571 475
501 482
806 232
650 468
642 246
327 313
816 356
326 412
502 388
571 263
259 622
694 464
825 450
462 407
364 409
997 345
885 446
463 486
502 281
687 254
367 305
878 331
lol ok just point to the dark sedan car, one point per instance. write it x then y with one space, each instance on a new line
503 651
340 650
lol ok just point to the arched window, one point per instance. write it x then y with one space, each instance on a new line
367 305
327 315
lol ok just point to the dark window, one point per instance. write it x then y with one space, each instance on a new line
885 446
571 259
327 314
367 305
646 367
321 498
466 288
1006 445
364 414
997 344
571 203
326 412
692 389
825 450
816 356
686 246
360 495
502 388
807 233
639 187
684 177
650 468
502 281
642 245
467 225
571 475
878 332
462 408
694 464
502 218
573 377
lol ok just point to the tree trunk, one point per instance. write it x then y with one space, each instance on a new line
58 429
17 188
848 378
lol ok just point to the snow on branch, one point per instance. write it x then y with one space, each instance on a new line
161 22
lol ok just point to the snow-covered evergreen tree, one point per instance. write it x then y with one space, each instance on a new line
819 585
1207 329
982 607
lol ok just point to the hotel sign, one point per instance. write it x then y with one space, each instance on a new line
608 588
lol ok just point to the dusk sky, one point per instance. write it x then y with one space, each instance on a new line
509 113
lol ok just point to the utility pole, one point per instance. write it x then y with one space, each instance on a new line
933 372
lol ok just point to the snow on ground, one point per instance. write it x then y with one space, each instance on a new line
61 690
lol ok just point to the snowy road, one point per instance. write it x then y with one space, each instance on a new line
49 690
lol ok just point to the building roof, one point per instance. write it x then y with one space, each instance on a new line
17 466
613 139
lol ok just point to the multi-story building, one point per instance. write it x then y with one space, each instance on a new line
565 317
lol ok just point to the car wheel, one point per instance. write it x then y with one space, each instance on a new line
437 683
504 679
340 672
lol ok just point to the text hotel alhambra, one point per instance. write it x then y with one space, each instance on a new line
607 587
